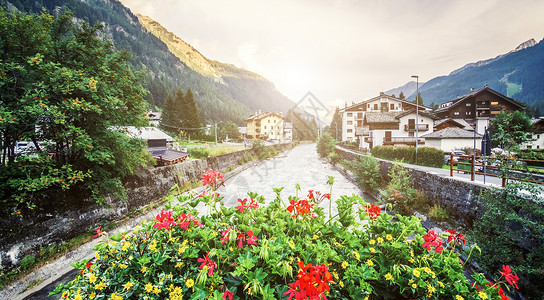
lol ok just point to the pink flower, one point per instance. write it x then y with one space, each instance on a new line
242 205
241 239
253 204
98 232
164 219
228 294
432 240
251 238
213 178
511 278
207 262
225 235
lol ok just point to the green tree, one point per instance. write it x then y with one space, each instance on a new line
64 87
170 119
189 113
231 130
419 99
336 125
510 130
401 96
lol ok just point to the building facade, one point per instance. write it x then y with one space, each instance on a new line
267 126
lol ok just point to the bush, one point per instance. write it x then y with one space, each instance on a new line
326 145
198 153
368 173
399 192
276 252
263 152
438 213
426 156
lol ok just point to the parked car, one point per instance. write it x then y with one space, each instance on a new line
26 147
447 156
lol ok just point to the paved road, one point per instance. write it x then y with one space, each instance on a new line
300 165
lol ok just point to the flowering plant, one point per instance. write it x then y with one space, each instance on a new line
251 251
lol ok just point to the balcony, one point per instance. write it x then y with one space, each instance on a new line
412 127
407 140
364 131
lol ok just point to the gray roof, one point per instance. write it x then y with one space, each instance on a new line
145 133
383 117
451 133
461 122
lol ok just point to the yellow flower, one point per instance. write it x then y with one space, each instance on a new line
372 242
416 273
78 296
126 245
411 281
127 285
153 245
459 298
372 249
431 289
113 264
179 264
441 284
369 262
366 298
123 266
315 237
97 255
412 253
357 256
92 278
388 237
427 270
335 275
144 269
338 244
181 250
345 264
482 295
92 295
388 276
148 288
193 243
189 283
341 283
414 286
291 244
100 286
412 260
380 239
156 291
114 296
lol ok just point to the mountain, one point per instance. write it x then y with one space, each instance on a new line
407 89
517 74
222 91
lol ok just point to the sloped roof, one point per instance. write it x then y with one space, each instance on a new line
421 113
474 93
169 156
262 115
451 133
379 97
383 117
145 133
461 123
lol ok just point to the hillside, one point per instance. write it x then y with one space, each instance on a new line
407 89
517 74
222 92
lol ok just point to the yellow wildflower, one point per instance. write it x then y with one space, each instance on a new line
411 281
126 245
380 239
291 244
123 266
412 260
193 243
335 275
92 295
97 255
100 286
357 256
371 249
416 273
341 283
412 253
427 270
179 264
78 296
369 262
128 285
144 269
414 286
114 296
372 242
181 250
148 288
153 245
482 295
458 297
92 278
388 276
431 289
113 264
189 283
315 237
338 244
345 264
156 291
389 237
441 284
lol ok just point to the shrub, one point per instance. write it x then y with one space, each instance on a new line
282 250
426 156
198 153
438 213
263 152
399 192
368 173
326 145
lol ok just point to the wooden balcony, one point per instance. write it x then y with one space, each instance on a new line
407 140
412 127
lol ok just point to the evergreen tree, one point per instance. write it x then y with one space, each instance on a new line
170 119
190 117
401 96
335 128
419 99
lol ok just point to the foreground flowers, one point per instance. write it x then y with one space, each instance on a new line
279 251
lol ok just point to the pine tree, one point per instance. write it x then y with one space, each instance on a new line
170 119
336 125
401 96
190 117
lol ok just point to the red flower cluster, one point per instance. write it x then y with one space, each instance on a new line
373 211
206 261
165 220
511 278
250 240
213 178
228 294
225 235
98 232
311 283
456 237
432 240
87 266
491 284
317 196
252 205
300 207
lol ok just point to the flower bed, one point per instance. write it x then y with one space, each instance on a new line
284 250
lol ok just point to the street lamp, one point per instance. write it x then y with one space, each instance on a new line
417 111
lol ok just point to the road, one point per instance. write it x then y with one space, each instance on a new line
300 165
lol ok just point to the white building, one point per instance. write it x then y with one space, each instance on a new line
452 138
537 135
384 120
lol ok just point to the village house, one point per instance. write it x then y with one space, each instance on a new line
478 107
384 120
267 126
537 135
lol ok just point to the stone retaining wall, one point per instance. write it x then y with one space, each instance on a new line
46 228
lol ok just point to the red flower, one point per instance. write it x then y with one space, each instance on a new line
241 239
207 262
213 178
312 282
455 236
164 220
251 238
98 232
228 294
511 278
186 219
432 240
373 211
253 204
242 204
225 235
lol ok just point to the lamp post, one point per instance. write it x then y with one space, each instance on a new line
417 111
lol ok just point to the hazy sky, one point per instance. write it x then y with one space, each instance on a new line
348 50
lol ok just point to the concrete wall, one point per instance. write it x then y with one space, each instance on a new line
22 236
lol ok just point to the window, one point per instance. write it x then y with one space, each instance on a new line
468 113
265 127
468 104
268 120
538 136
350 130
359 115
350 115
494 103
368 105
495 112
392 106
350 122
375 106
456 113
275 121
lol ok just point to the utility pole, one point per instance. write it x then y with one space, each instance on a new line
417 111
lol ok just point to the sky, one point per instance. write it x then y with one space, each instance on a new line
348 50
